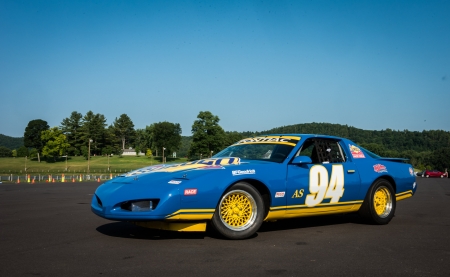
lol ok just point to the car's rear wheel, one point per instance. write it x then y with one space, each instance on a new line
240 212
427 175
379 205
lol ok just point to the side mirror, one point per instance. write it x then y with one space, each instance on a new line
302 160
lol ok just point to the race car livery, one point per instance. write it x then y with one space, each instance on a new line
259 179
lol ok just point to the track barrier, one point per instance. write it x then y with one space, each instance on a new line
56 178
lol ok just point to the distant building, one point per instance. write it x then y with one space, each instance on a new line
131 152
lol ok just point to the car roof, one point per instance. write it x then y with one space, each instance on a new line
302 135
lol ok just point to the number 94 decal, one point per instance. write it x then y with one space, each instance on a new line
321 187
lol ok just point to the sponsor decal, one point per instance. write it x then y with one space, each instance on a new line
189 192
379 168
288 140
212 167
279 194
243 172
213 163
411 171
356 152
174 182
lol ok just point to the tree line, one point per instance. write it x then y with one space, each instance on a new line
80 135
425 150
76 133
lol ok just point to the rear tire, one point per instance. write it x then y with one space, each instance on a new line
380 203
240 212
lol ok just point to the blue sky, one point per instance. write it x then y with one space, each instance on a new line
256 64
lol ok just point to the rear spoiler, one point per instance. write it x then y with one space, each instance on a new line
398 160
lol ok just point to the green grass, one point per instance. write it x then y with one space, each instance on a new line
79 164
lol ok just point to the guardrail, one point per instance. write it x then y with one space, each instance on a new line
55 178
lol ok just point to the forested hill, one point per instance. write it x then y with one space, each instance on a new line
390 139
10 142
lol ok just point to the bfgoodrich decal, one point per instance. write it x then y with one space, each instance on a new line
243 172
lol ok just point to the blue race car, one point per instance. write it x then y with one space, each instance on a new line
258 179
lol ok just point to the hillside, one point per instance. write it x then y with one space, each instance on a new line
10 142
394 140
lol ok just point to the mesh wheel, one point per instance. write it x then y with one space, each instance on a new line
239 213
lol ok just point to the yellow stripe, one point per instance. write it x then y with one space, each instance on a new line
191 214
281 212
403 195
320 205
173 226
305 211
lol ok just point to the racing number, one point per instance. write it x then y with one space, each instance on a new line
320 187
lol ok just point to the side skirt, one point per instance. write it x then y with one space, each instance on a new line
173 226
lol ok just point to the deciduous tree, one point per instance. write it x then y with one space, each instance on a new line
32 135
55 143
207 135
5 152
167 135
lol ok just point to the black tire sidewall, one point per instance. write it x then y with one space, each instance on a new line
230 234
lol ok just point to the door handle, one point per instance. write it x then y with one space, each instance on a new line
351 171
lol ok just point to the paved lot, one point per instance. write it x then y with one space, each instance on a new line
49 230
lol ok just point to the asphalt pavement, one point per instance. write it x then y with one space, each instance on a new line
49 230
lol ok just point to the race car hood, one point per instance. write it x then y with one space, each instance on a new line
171 185
207 164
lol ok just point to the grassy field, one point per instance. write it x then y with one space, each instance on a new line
98 164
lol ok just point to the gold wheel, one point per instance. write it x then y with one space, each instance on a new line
382 202
238 210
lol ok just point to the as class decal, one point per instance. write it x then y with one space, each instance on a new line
356 152
379 168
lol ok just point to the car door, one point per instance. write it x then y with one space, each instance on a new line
329 184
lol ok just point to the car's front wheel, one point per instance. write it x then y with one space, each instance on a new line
427 175
379 205
240 212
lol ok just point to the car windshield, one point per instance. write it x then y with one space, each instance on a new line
271 149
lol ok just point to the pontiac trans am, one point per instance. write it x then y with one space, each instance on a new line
259 179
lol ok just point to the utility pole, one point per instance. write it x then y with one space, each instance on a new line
89 153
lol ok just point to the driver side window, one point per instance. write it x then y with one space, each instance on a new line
322 151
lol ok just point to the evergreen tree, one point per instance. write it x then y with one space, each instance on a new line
71 127
124 129
93 128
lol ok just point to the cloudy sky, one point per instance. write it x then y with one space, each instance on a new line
256 64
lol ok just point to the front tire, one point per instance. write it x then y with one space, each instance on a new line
240 212
380 203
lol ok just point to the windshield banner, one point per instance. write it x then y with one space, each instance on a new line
286 140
